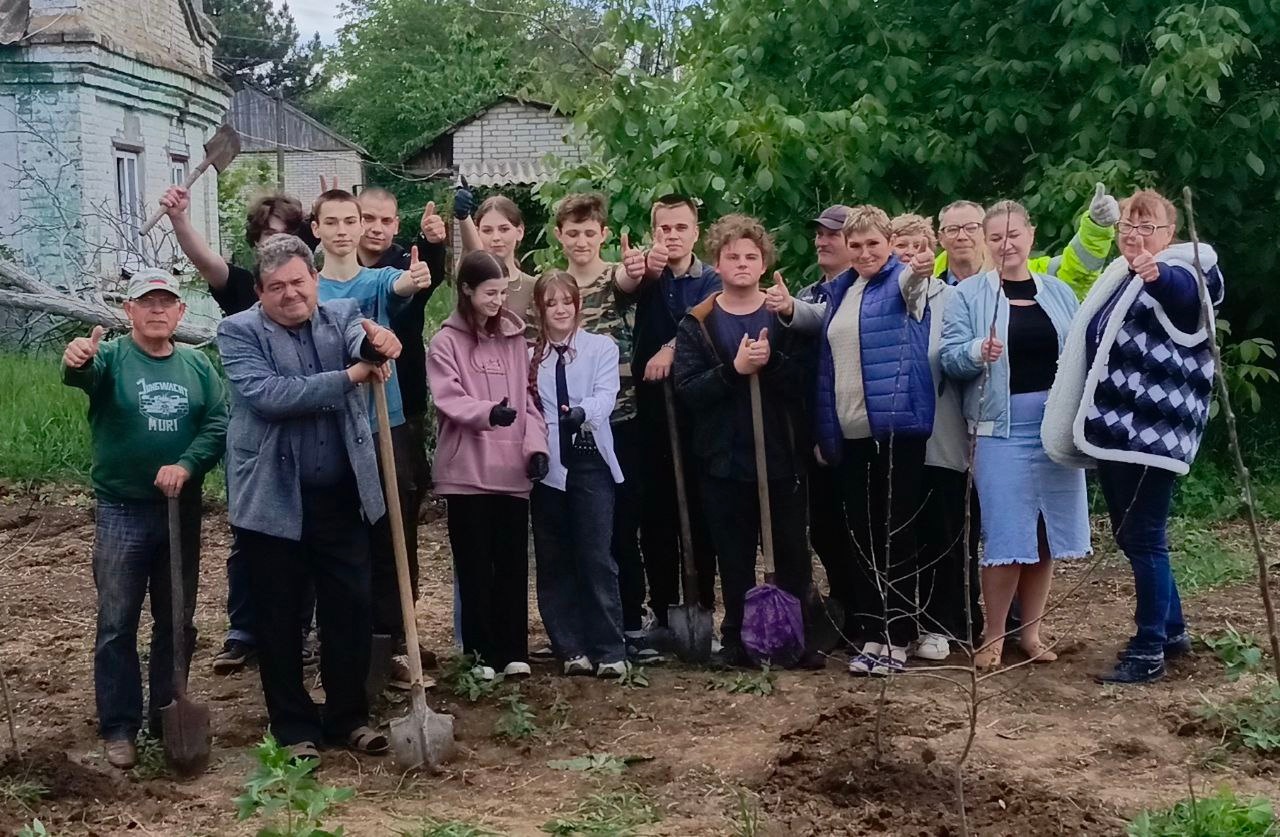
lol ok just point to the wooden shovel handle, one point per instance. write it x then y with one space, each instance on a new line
192 177
689 576
762 476
391 489
176 604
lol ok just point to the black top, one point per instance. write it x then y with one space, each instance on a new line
660 304
410 322
726 332
238 294
1033 341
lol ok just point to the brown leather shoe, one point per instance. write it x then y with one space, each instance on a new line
121 753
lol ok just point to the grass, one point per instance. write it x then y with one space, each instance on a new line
1251 722
432 827
1202 560
1222 814
618 813
21 792
44 432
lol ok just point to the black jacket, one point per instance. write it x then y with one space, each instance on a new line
409 323
719 401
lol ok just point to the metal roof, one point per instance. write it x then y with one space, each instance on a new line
506 172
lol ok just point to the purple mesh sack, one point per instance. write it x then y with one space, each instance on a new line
772 626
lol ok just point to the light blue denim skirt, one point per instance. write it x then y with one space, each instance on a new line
1018 483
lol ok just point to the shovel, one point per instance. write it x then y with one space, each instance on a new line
690 622
772 621
219 151
185 724
423 736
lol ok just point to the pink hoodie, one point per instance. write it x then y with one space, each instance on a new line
469 375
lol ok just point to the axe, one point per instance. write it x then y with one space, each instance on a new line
219 151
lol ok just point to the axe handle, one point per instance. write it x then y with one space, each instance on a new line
186 184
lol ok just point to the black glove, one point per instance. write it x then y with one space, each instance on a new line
539 465
463 200
573 418
501 415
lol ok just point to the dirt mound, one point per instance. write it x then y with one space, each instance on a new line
828 781
67 788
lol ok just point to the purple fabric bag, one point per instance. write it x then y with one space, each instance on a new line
772 626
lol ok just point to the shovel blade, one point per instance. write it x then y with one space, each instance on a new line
428 740
222 147
186 736
691 631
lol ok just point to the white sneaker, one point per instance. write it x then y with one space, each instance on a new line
716 646
483 673
576 666
517 669
612 671
931 646
862 663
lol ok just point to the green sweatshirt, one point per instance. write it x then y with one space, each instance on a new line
147 412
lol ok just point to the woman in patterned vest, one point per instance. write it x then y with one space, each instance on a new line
1132 395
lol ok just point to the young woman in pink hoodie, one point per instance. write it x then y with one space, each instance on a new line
491 446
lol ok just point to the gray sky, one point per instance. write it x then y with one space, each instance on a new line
315 16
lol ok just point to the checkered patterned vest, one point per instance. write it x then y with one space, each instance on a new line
1151 395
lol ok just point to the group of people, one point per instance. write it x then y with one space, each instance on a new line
587 402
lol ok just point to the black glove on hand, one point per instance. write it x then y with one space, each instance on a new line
463 201
573 419
539 465
501 415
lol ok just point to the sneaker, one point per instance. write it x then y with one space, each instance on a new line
543 654
931 646
517 669
121 753
716 646
577 666
611 671
1174 647
233 657
640 649
401 679
485 673
1133 670
861 664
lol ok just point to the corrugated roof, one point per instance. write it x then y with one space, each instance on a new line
506 172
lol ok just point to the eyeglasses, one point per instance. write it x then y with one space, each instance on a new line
954 229
1141 229
162 301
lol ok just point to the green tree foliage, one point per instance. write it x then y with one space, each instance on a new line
780 108
260 43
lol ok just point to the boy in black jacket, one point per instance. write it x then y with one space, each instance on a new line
720 344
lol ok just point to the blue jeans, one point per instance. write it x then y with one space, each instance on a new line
130 558
577 576
1138 500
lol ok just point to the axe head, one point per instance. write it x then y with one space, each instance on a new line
222 147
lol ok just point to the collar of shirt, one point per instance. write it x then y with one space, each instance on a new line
695 271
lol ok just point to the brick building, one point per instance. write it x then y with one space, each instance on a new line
103 104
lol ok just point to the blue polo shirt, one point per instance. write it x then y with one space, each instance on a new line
373 289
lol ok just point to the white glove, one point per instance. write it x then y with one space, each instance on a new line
1104 210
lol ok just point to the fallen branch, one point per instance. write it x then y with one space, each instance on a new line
52 302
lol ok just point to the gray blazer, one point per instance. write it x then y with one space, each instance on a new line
270 393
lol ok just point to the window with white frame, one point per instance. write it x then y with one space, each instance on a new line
177 171
129 203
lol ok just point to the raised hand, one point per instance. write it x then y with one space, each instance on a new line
419 273
1104 210
778 297
463 200
175 201
657 258
83 349
1144 264
502 415
922 264
633 261
432 225
170 479
752 355
383 340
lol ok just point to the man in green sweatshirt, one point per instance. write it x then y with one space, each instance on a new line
158 421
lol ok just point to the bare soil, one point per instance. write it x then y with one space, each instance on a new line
1053 753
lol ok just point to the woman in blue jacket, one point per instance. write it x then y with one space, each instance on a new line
1001 335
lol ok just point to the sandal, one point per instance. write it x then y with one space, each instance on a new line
367 740
989 656
303 750
1039 653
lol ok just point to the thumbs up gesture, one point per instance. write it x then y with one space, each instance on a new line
1104 210
83 349
778 297
432 224
419 273
633 261
382 340
656 260
753 355
1144 264
922 264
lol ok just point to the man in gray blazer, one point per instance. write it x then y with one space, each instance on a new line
303 489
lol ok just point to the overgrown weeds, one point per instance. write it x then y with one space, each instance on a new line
517 722
1202 561
1251 722
763 682
432 827
1215 816
151 763
459 675
21 792
1240 653
618 813
284 793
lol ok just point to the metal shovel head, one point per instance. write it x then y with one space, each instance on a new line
772 626
222 147
422 737
691 632
186 736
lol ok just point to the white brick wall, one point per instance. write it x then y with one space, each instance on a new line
511 131
302 171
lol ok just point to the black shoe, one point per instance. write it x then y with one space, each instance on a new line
1178 646
233 657
1133 670
811 661
733 655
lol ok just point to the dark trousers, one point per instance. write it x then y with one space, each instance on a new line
940 588
1138 500
333 556
733 514
239 603
881 482
660 519
577 578
387 618
130 560
489 536
829 533
625 544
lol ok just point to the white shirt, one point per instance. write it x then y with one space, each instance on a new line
591 373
